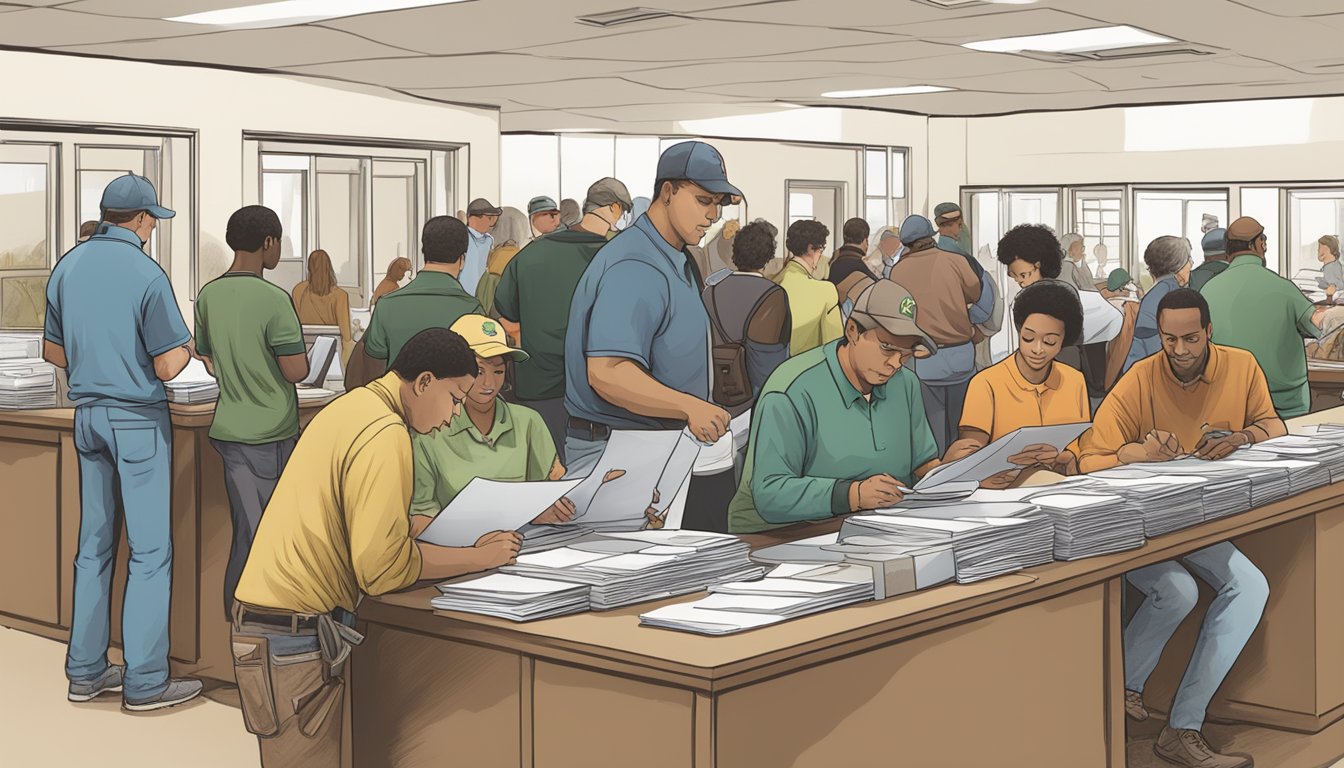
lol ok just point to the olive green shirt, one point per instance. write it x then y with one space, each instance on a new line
813 436
519 447
431 300
243 323
1259 311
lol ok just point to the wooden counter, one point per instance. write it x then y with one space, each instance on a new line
1327 387
1025 669
39 512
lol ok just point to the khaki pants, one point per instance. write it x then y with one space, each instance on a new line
291 697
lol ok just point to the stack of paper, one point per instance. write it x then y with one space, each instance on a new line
1165 503
789 592
27 383
1268 483
193 385
983 547
1324 447
1091 524
512 597
1303 473
633 567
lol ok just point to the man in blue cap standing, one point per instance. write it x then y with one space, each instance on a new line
987 310
1215 258
637 346
113 324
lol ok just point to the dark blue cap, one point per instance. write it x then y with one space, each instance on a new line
133 193
698 162
1215 242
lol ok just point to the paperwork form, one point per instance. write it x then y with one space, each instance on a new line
492 505
993 458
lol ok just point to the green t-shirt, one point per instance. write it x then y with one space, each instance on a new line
519 447
243 323
813 436
431 300
535 291
1267 315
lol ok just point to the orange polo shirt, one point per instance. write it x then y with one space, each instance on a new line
999 401
1231 394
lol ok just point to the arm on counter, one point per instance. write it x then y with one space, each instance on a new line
54 353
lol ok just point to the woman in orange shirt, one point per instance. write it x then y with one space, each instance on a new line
1028 389
320 301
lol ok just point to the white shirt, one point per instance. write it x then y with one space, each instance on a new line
479 247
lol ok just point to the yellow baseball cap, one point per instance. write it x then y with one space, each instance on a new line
486 337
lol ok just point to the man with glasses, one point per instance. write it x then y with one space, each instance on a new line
841 428
1257 310
637 345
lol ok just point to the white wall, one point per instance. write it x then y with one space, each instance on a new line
221 105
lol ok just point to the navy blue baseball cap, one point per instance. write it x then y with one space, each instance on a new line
916 228
698 162
133 193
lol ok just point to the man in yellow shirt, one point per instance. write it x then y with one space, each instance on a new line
1161 409
335 528
1029 389
814 304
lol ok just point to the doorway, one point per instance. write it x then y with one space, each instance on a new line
822 201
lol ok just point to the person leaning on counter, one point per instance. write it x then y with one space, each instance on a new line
1029 388
1202 398
840 428
490 438
338 527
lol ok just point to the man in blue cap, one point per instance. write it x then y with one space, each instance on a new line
114 325
986 311
544 214
944 286
1215 258
637 345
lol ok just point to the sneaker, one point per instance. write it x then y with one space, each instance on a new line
1134 706
177 692
88 690
1189 748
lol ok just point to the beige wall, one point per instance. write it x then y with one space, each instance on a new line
221 105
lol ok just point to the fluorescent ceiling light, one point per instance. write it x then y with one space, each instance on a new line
1077 41
299 11
908 90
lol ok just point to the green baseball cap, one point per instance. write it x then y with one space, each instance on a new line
1118 279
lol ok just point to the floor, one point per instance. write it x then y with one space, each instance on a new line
37 723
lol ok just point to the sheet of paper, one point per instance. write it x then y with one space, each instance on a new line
562 557
642 455
993 458
667 549
632 562
509 584
775 586
490 505
749 603
1076 500
676 469
687 614
790 570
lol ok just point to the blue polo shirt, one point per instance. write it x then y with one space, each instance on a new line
112 309
639 300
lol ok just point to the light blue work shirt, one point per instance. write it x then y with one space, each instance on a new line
1146 339
983 308
639 300
112 309
479 247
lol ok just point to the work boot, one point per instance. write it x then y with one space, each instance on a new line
88 690
1134 706
1189 748
177 692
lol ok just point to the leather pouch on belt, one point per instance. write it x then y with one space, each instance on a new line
250 667
314 713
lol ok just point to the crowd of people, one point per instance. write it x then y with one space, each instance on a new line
524 340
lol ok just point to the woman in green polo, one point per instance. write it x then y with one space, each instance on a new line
489 437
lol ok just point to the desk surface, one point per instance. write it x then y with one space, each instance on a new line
184 415
615 638
1330 376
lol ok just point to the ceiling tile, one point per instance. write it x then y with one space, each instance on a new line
710 40
52 27
482 71
264 48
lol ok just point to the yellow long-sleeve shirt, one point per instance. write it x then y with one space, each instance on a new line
814 306
337 523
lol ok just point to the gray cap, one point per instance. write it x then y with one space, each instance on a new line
1215 242
916 228
541 204
887 304
482 207
605 192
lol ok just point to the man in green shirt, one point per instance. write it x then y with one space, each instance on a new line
434 299
489 438
536 290
1257 310
248 336
840 428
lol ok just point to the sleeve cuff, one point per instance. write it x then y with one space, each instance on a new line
840 497
182 342
54 339
295 348
621 353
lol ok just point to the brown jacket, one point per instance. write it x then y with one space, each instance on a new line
943 287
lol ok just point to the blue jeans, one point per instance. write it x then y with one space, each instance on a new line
129 447
582 455
1170 594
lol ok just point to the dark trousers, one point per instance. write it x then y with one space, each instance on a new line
250 475
942 406
552 412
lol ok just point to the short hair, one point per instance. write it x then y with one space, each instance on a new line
1185 298
570 212
1034 244
1166 255
249 227
437 351
1054 299
805 234
1332 243
444 240
87 229
121 217
753 247
855 231
677 184
1067 242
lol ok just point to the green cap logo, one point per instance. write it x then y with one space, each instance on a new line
489 329
908 307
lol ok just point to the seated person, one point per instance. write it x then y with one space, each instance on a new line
1159 410
840 428
1028 389
489 437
